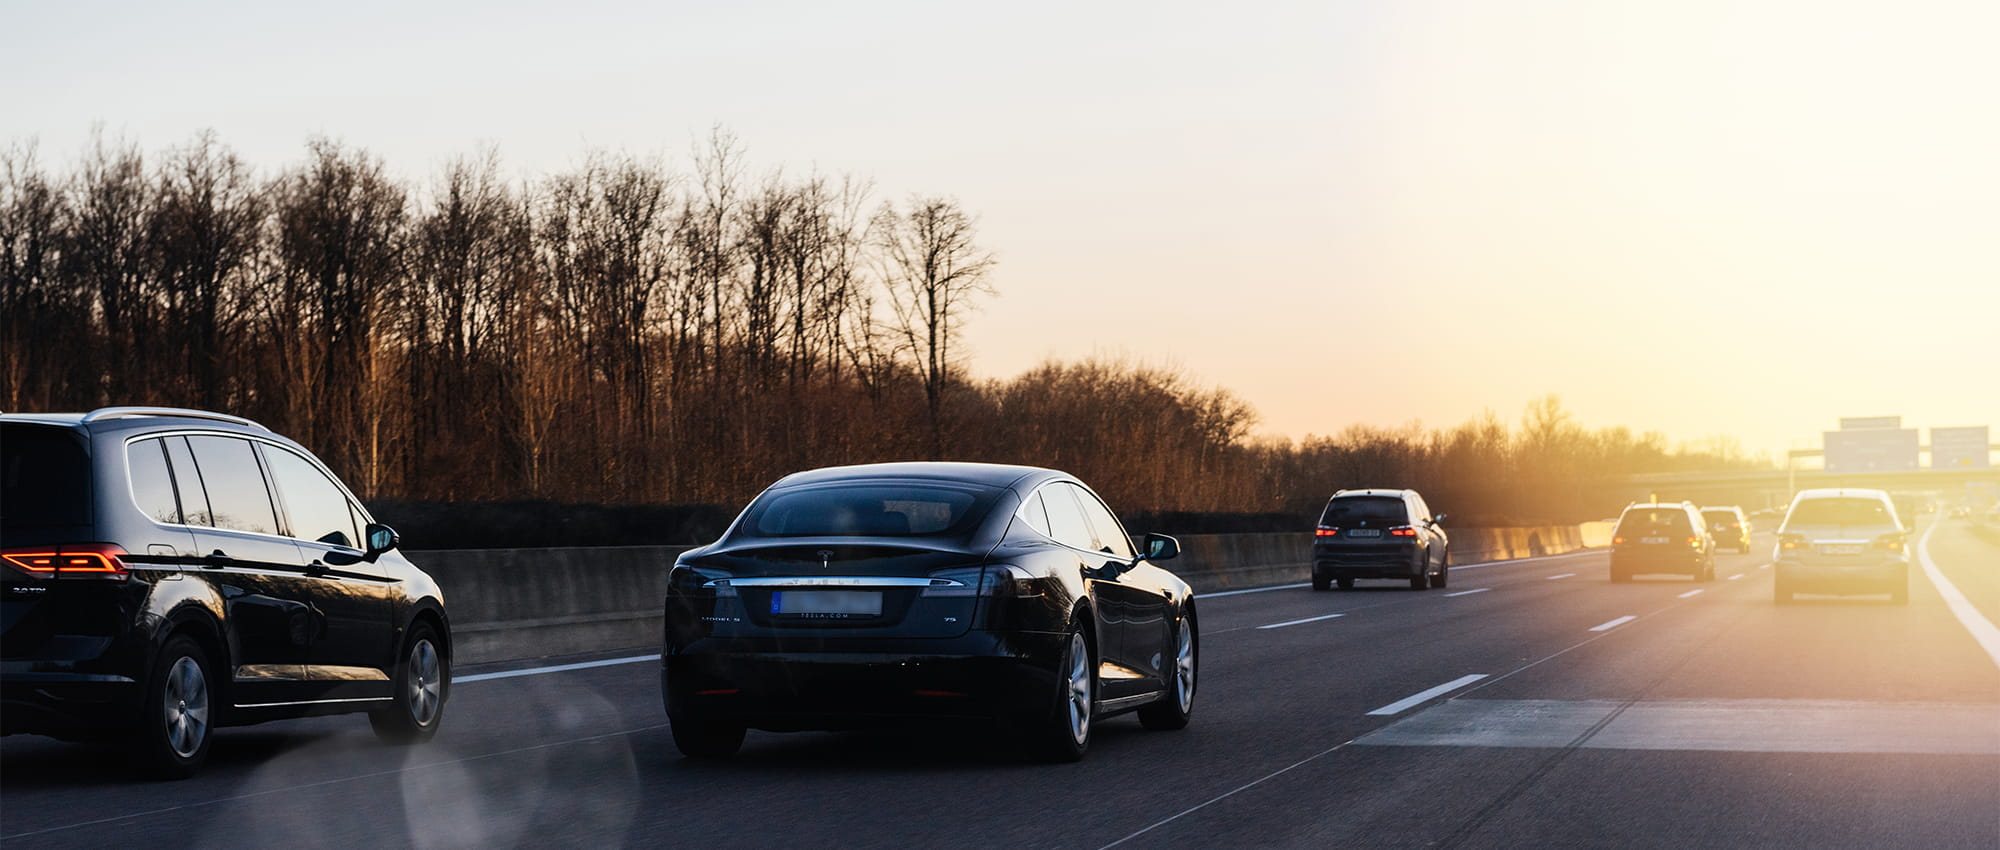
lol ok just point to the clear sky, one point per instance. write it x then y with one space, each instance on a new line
1695 217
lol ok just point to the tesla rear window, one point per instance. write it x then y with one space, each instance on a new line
1364 510
1653 522
1840 512
898 510
44 478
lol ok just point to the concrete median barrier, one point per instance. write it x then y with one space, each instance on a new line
530 603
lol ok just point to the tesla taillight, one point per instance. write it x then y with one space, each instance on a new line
90 560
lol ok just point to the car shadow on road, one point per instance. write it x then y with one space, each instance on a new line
28 762
925 749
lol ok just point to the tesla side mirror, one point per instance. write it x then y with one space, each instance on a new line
381 538
1160 547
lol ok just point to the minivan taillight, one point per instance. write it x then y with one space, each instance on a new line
88 560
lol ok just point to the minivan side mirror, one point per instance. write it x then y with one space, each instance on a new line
380 538
1439 519
1160 547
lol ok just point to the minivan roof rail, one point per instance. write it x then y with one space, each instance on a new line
184 413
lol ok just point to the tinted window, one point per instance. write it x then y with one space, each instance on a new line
152 484
1365 511
44 478
237 497
1066 521
1110 537
1719 516
315 506
1654 520
898 510
1840 511
1034 513
187 480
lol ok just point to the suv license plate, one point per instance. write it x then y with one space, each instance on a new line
1655 540
1365 532
1840 549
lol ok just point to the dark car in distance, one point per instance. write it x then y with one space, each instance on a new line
1380 534
866 596
1728 526
1661 537
170 571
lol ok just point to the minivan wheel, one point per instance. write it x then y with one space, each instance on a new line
177 717
1063 734
1172 711
421 676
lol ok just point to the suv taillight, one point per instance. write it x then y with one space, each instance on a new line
1402 531
1891 542
1324 531
88 560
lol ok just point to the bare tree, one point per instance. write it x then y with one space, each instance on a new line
932 268
205 230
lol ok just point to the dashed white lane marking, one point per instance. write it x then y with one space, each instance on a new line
536 671
1474 590
1404 704
1764 566
1690 593
1733 725
1614 623
1564 575
1981 628
1577 554
1736 576
1306 620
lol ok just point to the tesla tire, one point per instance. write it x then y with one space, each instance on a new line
1173 710
1063 734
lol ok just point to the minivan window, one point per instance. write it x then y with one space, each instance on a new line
1365 511
152 484
44 478
187 480
316 507
869 510
237 496
1840 511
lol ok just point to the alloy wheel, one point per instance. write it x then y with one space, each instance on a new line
426 687
186 696
1079 689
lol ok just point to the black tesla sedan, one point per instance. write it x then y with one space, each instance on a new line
863 596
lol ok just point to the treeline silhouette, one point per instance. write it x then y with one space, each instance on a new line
629 332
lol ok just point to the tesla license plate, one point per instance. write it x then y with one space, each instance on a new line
1365 532
830 604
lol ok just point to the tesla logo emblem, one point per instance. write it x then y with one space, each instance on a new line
825 557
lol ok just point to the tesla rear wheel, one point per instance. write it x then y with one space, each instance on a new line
418 707
176 722
1172 711
1064 733
705 738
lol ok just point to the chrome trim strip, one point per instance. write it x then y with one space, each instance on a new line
832 581
316 702
1122 703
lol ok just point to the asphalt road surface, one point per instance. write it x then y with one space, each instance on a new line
1532 703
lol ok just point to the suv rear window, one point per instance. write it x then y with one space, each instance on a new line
881 510
1355 511
1719 516
45 479
1840 511
1641 521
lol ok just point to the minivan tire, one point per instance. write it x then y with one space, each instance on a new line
177 712
423 674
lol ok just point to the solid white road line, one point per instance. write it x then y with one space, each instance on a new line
536 671
1254 590
1981 628
1690 593
1474 590
1614 623
1404 704
1306 620
1564 575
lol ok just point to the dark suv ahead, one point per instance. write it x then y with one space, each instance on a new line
1662 538
169 571
1379 534
1728 526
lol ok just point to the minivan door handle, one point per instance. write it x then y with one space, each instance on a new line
216 560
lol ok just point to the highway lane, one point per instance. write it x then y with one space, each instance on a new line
1644 732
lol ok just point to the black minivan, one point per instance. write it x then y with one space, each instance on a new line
169 571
